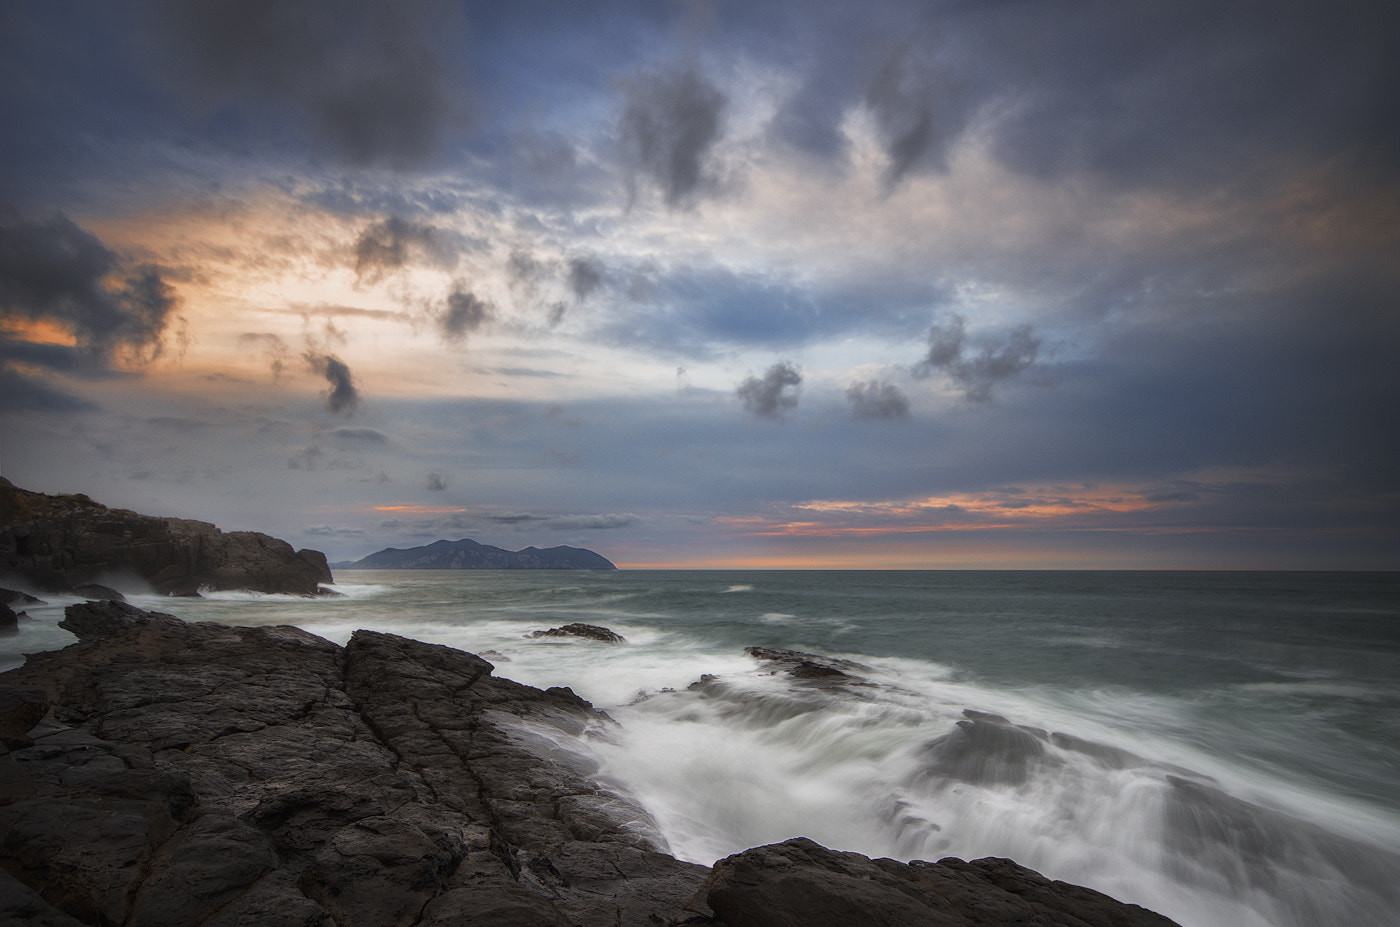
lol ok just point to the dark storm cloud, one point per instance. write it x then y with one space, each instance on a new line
875 399
1184 93
671 121
53 271
975 371
343 398
585 276
772 395
24 393
370 76
918 110
391 243
464 312
437 482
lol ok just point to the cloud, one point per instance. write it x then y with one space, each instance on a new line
465 312
361 436
568 522
437 482
774 394
367 76
585 276
343 398
332 531
30 394
391 243
999 358
53 271
272 346
917 111
877 399
671 121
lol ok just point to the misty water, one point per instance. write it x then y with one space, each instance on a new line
1220 747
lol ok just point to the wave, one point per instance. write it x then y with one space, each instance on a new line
921 767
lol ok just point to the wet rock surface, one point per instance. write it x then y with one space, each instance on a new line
168 773
590 632
798 883
60 543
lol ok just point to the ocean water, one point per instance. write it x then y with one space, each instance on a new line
1221 747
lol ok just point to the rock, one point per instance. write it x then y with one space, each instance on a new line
799 883
14 597
171 774
205 774
9 621
807 665
99 592
588 631
20 710
61 542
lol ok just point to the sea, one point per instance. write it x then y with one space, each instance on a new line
1221 747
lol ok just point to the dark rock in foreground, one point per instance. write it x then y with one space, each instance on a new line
199 774
62 542
590 632
800 883
467 554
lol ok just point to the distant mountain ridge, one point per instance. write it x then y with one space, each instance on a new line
467 554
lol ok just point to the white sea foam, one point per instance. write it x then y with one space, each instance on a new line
1236 778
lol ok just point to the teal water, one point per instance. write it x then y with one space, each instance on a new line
1222 747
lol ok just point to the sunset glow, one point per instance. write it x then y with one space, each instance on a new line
741 285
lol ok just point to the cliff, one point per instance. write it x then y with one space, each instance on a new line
56 543
467 554
164 773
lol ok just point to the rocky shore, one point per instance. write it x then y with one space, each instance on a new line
166 773
60 543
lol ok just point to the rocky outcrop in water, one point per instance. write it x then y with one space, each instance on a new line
172 774
591 632
59 543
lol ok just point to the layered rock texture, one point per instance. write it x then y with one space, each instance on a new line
59 543
172 774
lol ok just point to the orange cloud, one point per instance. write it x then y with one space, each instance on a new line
419 509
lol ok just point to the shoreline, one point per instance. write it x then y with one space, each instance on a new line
388 781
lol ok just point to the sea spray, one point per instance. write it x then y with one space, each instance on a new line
1219 747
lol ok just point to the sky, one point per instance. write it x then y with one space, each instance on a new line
760 284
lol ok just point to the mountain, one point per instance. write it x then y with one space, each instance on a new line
467 554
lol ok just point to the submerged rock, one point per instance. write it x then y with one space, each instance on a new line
176 774
801 665
590 632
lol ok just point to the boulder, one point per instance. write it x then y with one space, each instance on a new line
590 632
13 597
799 883
98 592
